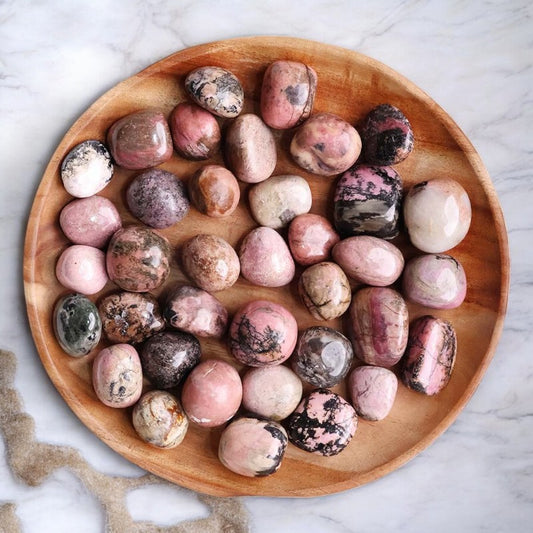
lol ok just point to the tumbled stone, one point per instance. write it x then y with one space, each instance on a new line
77 325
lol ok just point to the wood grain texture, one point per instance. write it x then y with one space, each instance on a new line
349 85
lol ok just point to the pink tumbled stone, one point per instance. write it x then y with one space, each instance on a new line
212 393
117 375
369 260
311 239
82 269
90 221
262 333
373 391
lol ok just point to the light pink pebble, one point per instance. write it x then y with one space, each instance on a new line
272 391
90 221
373 391
212 393
117 375
82 269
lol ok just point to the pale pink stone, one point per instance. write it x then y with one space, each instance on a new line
373 391
82 269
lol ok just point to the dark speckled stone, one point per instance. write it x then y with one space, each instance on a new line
77 325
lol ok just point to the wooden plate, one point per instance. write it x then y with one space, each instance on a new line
350 84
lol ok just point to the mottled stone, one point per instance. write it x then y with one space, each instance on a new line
287 94
387 136
77 325
216 89
168 357
265 258
367 202
323 423
252 447
158 198
250 149
196 311
373 391
82 269
130 317
369 260
159 419
138 259
262 333
272 392
86 169
437 214
378 324
277 200
214 191
90 221
430 355
325 144
210 262
195 131
140 140
117 375
212 393
325 290
435 280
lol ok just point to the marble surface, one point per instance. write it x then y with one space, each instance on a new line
475 58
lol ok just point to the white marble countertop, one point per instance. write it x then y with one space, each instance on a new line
474 58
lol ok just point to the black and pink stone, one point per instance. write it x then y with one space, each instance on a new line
367 202
387 136
323 423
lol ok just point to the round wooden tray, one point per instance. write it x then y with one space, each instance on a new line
349 85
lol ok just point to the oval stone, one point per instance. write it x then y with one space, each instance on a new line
77 325
130 317
216 89
277 200
437 214
430 355
379 324
367 202
435 280
369 260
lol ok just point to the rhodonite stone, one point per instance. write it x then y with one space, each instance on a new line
252 447
140 140
367 202
86 169
378 324
159 419
437 214
216 89
322 357
323 423
77 325
130 317
435 280
262 333
430 355
138 259
158 198
387 136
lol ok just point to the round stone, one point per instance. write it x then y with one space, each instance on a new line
86 169
77 325
323 356
437 214
158 198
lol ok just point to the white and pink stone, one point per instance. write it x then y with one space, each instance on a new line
435 280
430 355
373 391
437 214
323 423
252 447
